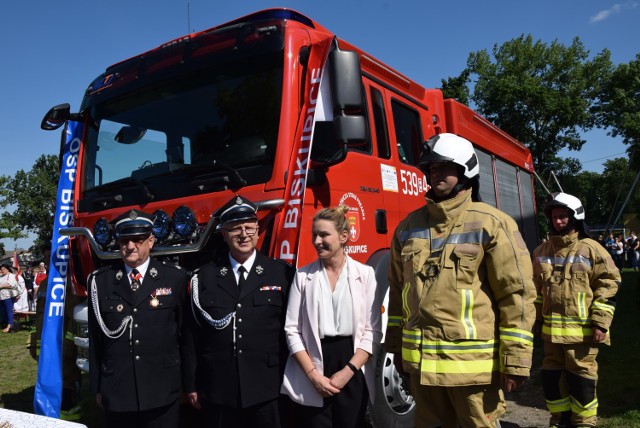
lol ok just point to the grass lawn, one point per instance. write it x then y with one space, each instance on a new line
18 373
619 377
618 387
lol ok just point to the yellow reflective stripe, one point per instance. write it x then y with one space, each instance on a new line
561 319
394 321
411 345
411 336
590 409
559 406
582 304
466 314
538 299
69 336
462 347
516 335
405 304
459 367
411 355
604 307
567 331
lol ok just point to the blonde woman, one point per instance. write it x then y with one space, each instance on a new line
333 329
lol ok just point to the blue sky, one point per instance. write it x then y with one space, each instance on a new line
52 50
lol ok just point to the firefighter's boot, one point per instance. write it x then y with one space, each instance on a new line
584 403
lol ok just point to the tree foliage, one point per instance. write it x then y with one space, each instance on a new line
616 182
540 93
619 106
544 95
29 200
456 87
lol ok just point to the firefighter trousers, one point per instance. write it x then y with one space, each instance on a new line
569 377
457 406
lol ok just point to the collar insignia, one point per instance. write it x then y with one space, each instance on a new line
223 271
259 269
119 275
153 273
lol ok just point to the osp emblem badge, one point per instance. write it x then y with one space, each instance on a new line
353 217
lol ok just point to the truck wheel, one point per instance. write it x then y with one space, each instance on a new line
393 406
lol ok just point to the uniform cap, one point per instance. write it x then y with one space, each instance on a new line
237 209
133 223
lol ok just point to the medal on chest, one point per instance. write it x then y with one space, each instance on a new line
154 302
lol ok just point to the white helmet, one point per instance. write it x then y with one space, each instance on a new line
450 148
565 200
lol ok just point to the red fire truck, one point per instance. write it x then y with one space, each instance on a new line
275 107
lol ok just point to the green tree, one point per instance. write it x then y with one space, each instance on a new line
615 185
8 230
619 106
604 194
29 200
540 93
587 186
457 87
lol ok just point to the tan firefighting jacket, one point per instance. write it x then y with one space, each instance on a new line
461 296
576 280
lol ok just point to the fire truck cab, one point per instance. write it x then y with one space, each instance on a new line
275 107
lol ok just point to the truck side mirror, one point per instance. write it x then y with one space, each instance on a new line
346 82
56 117
350 130
347 97
348 127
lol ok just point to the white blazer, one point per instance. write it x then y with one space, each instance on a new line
301 327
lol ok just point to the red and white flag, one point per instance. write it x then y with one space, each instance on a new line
16 264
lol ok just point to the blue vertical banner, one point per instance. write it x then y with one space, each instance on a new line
48 391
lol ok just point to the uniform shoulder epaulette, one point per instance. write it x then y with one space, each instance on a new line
208 265
101 270
282 262
173 265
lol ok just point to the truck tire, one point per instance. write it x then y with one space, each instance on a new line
393 406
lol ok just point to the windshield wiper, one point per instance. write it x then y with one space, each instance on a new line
147 192
234 175
107 200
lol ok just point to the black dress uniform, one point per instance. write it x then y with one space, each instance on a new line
138 372
235 354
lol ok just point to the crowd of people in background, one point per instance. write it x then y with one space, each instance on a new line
624 251
18 292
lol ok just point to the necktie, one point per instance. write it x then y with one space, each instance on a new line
241 271
135 279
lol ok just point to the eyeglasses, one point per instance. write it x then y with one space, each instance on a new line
237 231
137 241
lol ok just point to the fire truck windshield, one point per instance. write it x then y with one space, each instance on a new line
206 130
